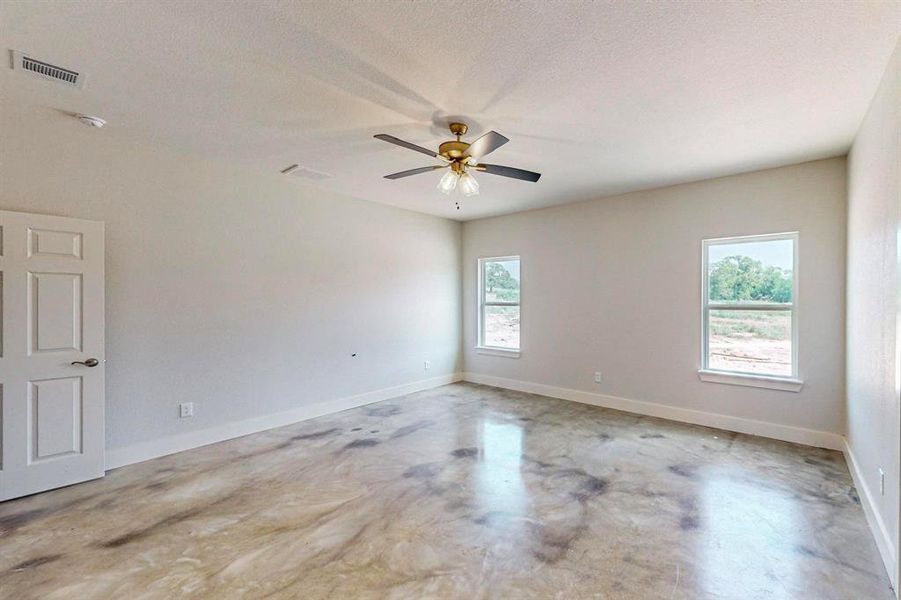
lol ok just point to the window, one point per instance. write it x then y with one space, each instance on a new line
499 304
750 320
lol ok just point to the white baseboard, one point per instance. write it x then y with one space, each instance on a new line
874 519
118 457
808 437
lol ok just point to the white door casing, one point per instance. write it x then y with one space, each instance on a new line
51 315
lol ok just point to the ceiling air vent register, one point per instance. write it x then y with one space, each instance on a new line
46 70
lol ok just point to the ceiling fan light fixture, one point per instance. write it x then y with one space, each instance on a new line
468 185
461 157
448 182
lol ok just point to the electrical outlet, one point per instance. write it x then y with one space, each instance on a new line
426 365
186 409
597 377
881 482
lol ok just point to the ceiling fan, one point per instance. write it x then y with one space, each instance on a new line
460 158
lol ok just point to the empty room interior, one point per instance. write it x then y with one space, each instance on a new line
472 300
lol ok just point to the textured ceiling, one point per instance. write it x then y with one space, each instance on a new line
600 97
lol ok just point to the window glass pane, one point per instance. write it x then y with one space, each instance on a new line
750 341
502 326
750 271
501 281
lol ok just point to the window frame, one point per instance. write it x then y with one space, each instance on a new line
481 347
791 382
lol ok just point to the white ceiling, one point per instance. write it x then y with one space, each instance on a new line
600 97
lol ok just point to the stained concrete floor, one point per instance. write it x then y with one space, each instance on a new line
464 491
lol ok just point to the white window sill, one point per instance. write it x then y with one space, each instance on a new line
505 352
785 384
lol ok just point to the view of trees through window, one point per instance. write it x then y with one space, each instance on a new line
743 279
750 341
500 303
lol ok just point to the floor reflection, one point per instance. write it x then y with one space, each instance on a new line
748 532
499 483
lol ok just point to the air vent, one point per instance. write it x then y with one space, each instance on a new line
46 70
305 173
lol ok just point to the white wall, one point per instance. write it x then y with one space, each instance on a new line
613 285
874 224
242 292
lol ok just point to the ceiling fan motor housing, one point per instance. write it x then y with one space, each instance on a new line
453 149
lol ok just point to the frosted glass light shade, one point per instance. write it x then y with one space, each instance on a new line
468 185
448 182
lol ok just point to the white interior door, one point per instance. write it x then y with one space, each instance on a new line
51 422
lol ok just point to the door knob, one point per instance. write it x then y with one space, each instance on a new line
91 362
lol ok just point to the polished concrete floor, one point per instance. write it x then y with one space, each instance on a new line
464 491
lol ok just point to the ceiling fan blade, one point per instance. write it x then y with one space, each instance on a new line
486 144
509 172
399 142
414 172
